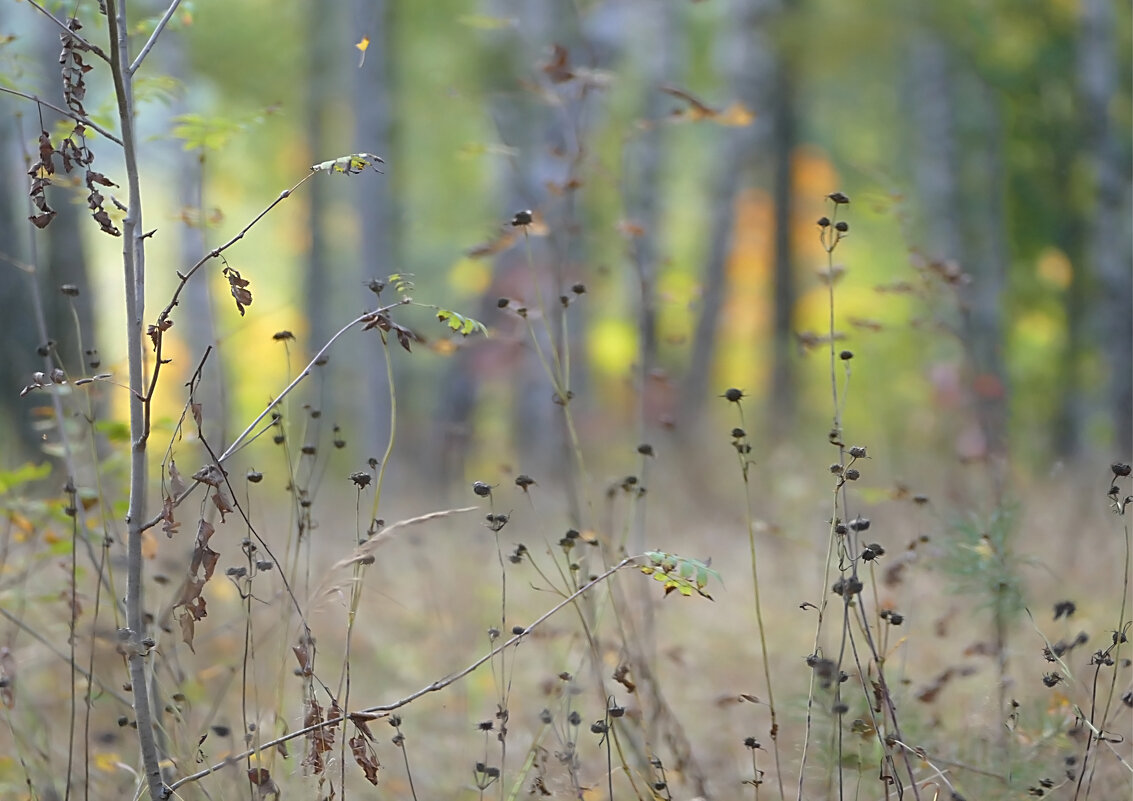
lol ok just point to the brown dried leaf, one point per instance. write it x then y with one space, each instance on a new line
239 288
366 758
176 483
188 629
558 67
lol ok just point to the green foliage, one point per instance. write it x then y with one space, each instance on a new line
26 473
679 573
982 564
349 165
210 131
459 323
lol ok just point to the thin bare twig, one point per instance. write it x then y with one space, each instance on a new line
374 712
87 121
98 51
148 46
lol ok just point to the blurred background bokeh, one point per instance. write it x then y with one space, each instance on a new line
676 156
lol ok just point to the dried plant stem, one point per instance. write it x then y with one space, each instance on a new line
381 710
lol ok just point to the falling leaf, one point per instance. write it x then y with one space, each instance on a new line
362 46
736 115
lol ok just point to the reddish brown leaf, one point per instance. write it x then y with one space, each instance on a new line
366 758
558 67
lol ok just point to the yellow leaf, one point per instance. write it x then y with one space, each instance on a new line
735 115
107 761
362 45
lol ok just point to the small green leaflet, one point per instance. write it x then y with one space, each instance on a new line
349 165
461 324
679 573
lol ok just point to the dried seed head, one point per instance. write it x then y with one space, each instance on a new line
578 289
282 336
858 452
524 481
70 290
859 524
481 489
846 355
823 222
254 476
361 480
645 449
733 395
502 303
853 474
841 226
521 218
838 198
1121 469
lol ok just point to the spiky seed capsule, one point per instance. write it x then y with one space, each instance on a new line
840 528
841 226
858 452
481 489
836 469
852 474
733 395
846 355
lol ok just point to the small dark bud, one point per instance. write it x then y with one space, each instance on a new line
599 727
738 433
264 565
308 450
1051 679
575 718
481 489
846 355
502 303
546 717
254 476
841 226
521 218
751 742
517 630
564 300
823 222
578 289
645 449
70 290
836 469
852 474
858 452
840 528
859 524
838 198
1120 469
283 336
123 720
361 480
524 481
733 395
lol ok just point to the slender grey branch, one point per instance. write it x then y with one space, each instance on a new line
98 51
148 46
375 712
94 126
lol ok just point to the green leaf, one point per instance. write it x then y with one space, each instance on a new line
24 474
459 323
349 165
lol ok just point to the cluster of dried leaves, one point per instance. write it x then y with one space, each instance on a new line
72 151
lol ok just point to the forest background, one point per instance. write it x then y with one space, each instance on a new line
675 157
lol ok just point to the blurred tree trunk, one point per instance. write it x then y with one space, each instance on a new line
749 60
378 254
783 140
18 338
987 259
1108 247
322 87
642 185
